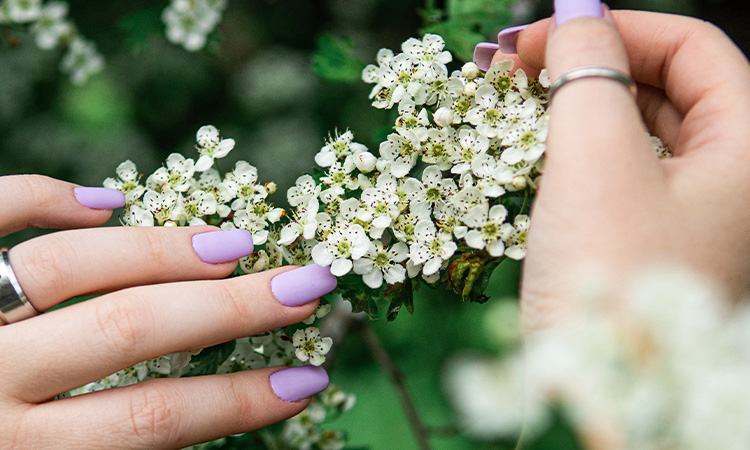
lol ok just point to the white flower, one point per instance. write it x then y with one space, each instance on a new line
411 118
401 150
500 77
161 205
431 193
343 245
338 179
136 216
197 205
379 208
300 253
190 21
471 145
211 146
127 181
430 247
310 346
320 312
257 226
338 148
487 115
22 11
439 147
304 223
51 25
379 263
487 229
81 60
526 141
515 237
175 176
299 193
364 161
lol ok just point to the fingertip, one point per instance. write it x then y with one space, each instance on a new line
99 198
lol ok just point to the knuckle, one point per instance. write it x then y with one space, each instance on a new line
154 415
42 266
122 326
40 188
154 245
233 297
597 37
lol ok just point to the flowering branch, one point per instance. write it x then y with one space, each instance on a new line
396 376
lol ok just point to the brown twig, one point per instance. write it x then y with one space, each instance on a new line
397 378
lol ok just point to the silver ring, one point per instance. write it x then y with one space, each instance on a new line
594 72
14 306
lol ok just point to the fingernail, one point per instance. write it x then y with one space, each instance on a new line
507 39
570 9
99 198
223 246
483 53
302 285
297 383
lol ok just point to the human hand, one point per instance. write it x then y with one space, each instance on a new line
606 200
148 308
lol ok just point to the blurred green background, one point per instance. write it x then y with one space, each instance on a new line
255 81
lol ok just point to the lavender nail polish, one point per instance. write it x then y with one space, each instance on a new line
483 53
507 39
302 285
99 198
570 9
297 383
223 246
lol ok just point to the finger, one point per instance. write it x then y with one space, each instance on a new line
59 266
97 338
595 124
172 413
42 202
660 115
702 72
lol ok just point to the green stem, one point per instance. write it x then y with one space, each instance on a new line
525 200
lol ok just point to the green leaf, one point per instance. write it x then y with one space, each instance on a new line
398 295
207 362
334 60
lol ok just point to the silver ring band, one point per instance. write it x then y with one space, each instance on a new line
593 72
14 306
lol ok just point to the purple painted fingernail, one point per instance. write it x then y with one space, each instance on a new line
99 197
507 39
223 246
297 383
483 53
570 9
302 285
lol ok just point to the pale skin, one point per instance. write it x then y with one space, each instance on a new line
150 307
606 201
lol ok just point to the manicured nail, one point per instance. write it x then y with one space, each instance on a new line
507 39
223 246
302 285
483 53
99 198
570 9
297 383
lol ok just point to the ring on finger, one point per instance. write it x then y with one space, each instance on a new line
593 72
14 306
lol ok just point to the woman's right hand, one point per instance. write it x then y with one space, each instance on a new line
606 202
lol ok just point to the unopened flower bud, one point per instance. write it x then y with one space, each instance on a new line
470 71
271 187
519 182
365 161
443 117
470 88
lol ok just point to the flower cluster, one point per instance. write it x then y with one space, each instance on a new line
666 367
189 22
51 28
478 141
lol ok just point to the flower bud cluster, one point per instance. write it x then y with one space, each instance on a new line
52 29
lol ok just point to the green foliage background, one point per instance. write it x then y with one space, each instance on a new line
278 76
